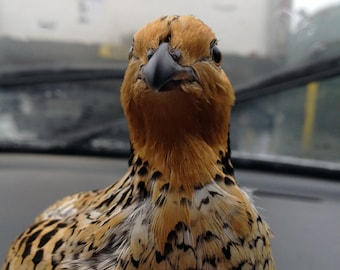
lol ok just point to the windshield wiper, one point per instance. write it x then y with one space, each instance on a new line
67 74
289 78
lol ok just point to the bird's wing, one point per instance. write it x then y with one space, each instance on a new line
75 227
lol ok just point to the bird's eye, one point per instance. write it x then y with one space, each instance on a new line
216 55
215 52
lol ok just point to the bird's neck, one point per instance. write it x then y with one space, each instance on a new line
185 163
171 175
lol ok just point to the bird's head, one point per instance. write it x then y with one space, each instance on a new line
174 87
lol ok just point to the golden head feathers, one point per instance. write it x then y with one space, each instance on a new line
192 102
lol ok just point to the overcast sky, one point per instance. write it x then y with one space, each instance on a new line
240 25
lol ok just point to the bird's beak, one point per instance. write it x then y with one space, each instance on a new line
163 67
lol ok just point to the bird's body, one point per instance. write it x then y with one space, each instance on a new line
178 206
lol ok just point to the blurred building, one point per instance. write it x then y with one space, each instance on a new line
278 27
248 28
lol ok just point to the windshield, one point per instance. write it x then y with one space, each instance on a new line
46 103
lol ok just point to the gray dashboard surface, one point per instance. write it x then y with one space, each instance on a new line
304 213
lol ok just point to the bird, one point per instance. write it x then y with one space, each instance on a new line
178 206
